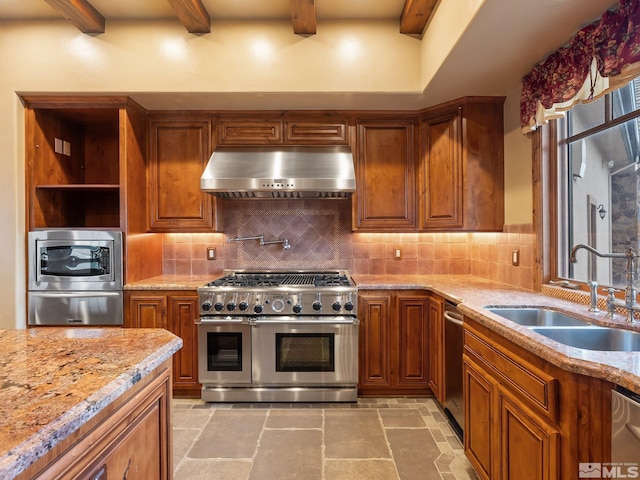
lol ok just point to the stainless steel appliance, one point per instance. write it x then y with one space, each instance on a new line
278 336
625 428
280 172
75 277
453 346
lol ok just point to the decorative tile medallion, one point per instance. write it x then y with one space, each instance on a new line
314 236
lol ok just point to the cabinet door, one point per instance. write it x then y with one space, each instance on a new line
240 131
436 347
479 436
183 312
385 170
412 345
179 151
145 311
374 338
442 173
528 445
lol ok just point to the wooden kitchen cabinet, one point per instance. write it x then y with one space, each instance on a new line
461 167
385 176
251 130
526 418
179 149
130 438
79 150
316 131
177 311
393 343
435 332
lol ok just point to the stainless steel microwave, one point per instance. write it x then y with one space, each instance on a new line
75 260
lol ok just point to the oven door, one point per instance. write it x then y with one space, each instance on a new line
75 308
305 352
224 352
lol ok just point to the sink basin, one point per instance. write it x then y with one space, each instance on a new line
538 317
593 337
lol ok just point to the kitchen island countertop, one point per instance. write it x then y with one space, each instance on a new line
54 380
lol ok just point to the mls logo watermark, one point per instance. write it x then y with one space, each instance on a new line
608 470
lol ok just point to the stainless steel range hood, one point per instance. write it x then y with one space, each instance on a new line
280 172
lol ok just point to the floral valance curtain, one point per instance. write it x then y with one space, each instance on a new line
601 57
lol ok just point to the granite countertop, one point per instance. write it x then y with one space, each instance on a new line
172 282
53 380
473 293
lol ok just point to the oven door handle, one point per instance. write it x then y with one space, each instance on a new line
222 321
67 294
288 321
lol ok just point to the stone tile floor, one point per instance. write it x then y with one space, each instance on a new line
374 439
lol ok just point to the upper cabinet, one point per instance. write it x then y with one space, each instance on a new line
461 167
179 148
385 199
78 151
312 129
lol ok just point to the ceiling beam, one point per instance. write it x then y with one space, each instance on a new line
303 17
81 14
193 15
415 15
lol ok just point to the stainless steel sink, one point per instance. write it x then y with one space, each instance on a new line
593 337
538 317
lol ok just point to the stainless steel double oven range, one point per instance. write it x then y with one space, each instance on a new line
278 337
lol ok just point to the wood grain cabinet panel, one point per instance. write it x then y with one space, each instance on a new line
312 132
177 311
179 151
526 418
250 131
461 167
393 351
385 177
435 332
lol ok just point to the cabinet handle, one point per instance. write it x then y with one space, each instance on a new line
453 318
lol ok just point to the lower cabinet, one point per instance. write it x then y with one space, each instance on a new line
130 438
176 311
435 331
526 419
393 339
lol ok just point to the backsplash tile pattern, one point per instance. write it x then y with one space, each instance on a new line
321 238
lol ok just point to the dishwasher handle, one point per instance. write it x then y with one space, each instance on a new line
453 317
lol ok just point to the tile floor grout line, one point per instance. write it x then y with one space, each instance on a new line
386 438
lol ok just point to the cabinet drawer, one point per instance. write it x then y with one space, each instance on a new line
315 133
528 382
247 132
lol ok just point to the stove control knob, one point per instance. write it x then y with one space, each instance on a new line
243 306
206 306
336 306
348 306
258 308
219 306
231 306
297 308
317 305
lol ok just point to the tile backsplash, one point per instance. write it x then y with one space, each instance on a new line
320 235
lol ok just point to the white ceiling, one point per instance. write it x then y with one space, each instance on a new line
505 40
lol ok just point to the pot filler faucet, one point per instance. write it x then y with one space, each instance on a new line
630 292
285 243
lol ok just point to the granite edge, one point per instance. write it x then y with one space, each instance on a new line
17 460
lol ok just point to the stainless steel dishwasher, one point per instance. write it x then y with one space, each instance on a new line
625 427
453 403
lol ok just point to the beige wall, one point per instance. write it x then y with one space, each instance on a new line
370 61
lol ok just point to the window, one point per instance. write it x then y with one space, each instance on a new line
599 185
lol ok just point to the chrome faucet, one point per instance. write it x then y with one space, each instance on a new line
630 292
285 242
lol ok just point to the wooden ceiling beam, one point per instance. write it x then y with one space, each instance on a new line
193 15
303 17
415 15
81 14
